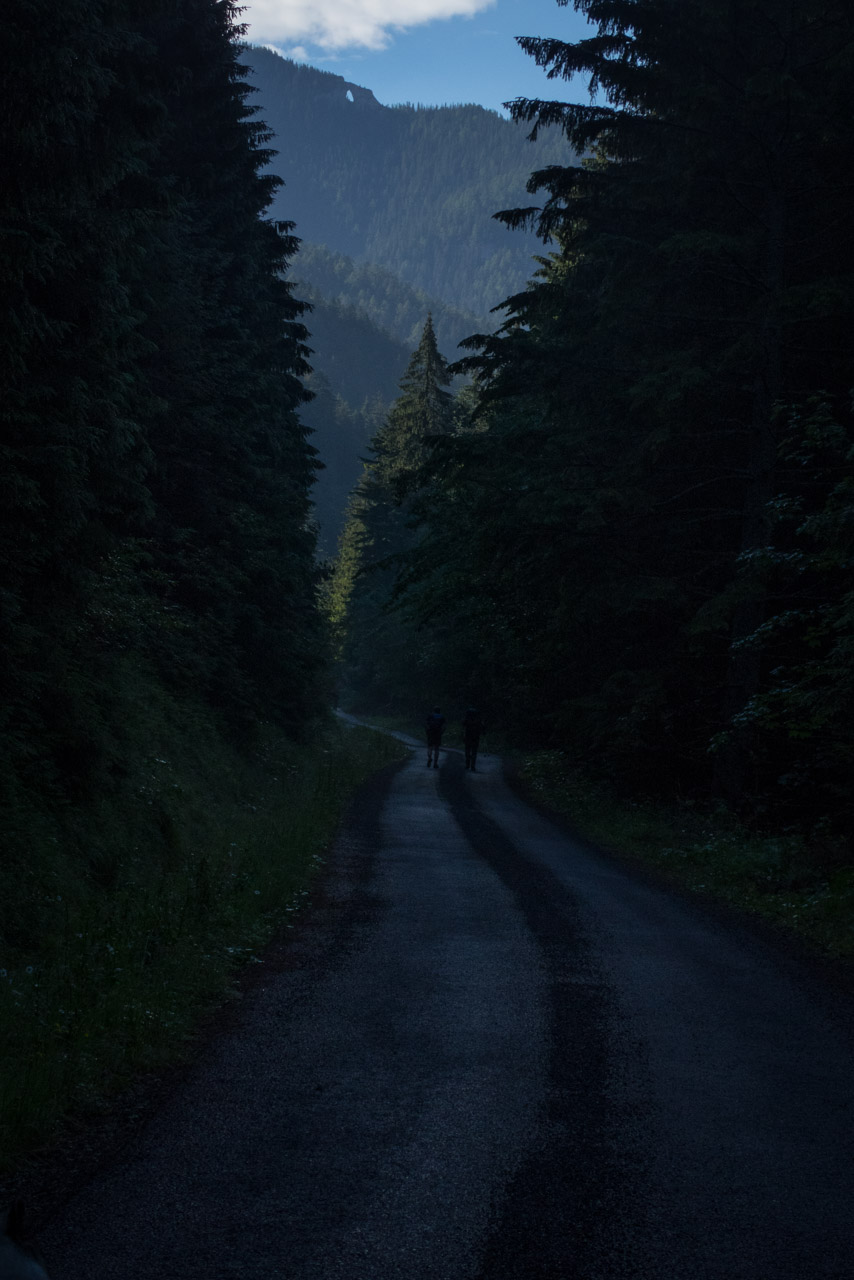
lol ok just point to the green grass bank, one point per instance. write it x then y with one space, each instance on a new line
802 885
124 921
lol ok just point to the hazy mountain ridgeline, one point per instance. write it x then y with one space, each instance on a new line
321 275
394 209
411 189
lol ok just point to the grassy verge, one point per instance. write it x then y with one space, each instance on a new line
804 887
134 916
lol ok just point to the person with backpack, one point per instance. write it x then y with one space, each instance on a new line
435 725
472 729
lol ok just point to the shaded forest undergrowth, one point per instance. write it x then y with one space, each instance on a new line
805 887
120 943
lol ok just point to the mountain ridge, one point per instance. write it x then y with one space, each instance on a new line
322 276
394 208
411 189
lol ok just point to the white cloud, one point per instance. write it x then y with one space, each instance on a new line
347 24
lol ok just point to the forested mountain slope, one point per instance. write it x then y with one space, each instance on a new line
323 276
356 370
357 314
410 189
359 359
394 207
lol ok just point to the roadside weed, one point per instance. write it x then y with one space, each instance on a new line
778 877
125 944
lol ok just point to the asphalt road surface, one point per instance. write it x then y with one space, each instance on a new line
491 1054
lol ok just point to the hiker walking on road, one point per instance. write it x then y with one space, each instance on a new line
472 729
435 725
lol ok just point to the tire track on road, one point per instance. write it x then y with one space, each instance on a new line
717 1140
570 1211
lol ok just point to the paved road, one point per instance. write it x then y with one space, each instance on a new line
494 1055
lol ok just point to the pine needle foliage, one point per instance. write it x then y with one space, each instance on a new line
156 479
624 514
380 652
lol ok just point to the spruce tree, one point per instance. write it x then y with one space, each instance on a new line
156 477
232 469
422 411
710 216
78 130
386 663
700 275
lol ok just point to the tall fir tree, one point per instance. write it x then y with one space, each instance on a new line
156 477
231 537
702 275
79 129
379 649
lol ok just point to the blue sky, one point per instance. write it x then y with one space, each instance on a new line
423 51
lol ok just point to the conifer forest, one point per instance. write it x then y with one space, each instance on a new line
312 401
631 536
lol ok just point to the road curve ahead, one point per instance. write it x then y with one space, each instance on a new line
491 1054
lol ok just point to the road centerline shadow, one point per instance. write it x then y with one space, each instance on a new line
570 1210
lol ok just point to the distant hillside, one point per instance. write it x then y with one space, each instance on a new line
394 208
357 367
341 434
323 276
359 359
409 189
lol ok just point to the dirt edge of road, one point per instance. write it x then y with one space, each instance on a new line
90 1145
791 950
